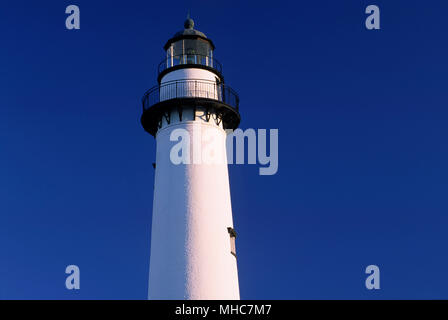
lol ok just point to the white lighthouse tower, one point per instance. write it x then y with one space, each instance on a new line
193 238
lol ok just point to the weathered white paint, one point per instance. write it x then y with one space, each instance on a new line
190 245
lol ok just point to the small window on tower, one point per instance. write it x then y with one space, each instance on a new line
232 234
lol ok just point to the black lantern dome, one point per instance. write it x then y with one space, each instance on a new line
189 30
188 33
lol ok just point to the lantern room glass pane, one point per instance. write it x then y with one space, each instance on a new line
197 47
190 51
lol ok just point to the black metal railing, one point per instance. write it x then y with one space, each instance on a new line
172 61
191 88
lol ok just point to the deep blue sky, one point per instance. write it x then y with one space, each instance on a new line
363 164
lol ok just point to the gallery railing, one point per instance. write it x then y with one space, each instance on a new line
185 59
191 89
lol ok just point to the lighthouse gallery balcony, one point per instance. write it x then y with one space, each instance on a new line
211 95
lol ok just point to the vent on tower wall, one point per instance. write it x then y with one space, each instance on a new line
232 234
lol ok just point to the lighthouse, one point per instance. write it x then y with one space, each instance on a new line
193 253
